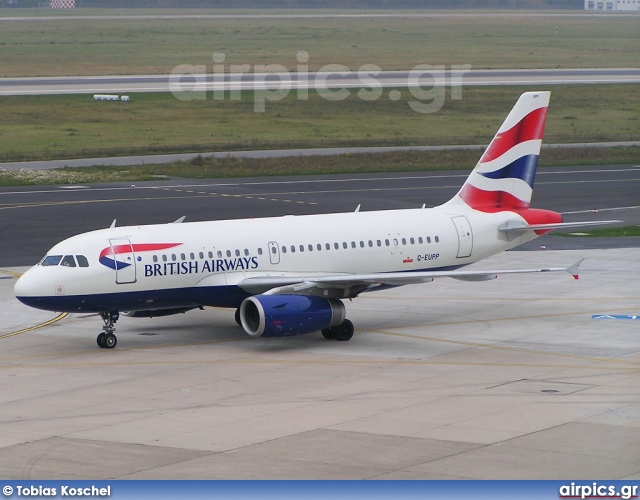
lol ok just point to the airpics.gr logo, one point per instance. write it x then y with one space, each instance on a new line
108 256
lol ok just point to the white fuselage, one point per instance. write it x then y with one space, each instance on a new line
204 261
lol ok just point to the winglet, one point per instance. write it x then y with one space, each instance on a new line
573 270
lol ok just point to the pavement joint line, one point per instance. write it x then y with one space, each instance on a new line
327 362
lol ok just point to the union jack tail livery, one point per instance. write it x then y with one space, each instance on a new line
503 178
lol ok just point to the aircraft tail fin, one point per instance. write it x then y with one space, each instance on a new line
503 178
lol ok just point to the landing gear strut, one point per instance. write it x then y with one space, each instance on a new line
341 333
107 339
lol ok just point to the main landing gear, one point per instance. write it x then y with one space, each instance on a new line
341 333
107 339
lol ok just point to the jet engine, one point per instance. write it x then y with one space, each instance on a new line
288 315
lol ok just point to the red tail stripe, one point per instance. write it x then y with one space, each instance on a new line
490 201
529 128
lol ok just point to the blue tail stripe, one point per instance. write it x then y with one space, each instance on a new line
523 168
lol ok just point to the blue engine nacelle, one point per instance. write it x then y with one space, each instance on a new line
288 315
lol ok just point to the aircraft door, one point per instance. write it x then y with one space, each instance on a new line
274 253
124 259
465 236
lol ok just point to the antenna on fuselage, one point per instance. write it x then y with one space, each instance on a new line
113 224
358 208
180 220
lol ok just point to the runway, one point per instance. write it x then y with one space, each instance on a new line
184 81
32 219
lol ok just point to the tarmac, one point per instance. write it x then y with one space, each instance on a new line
524 377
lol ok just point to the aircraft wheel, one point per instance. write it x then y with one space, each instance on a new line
100 340
344 331
109 341
328 333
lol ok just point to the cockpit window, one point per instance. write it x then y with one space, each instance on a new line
51 260
68 261
82 261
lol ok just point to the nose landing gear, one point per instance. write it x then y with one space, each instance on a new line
107 339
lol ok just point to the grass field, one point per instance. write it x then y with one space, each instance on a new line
44 127
149 46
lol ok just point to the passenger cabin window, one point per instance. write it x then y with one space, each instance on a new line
68 261
52 260
437 240
260 251
82 261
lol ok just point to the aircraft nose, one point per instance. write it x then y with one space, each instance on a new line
28 285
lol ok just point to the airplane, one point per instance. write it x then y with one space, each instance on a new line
289 275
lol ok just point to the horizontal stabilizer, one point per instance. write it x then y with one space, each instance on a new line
518 226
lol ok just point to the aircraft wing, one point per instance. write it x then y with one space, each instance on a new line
350 285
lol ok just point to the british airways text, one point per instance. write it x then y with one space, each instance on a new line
194 267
